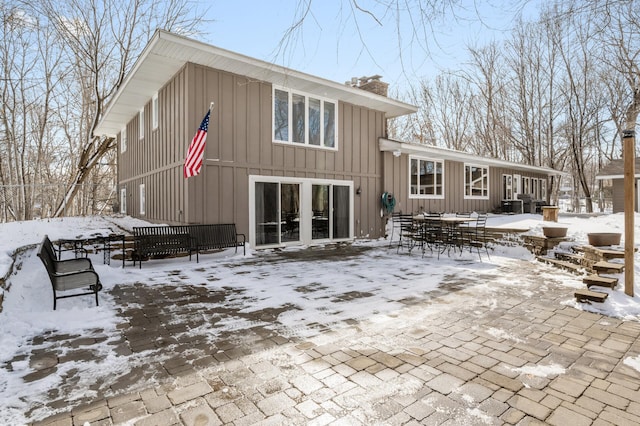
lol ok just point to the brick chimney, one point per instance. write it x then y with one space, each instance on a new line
371 84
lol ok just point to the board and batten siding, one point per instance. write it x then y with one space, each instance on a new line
396 181
239 144
156 159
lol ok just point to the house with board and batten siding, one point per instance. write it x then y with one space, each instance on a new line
290 158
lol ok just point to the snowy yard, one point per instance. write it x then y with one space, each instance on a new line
386 278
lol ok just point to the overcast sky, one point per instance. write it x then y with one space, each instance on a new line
330 45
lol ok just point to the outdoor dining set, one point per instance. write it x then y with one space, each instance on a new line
440 233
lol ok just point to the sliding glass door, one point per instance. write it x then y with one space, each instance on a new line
277 213
287 212
320 217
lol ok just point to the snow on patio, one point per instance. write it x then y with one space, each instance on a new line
376 283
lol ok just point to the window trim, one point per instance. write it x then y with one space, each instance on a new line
507 186
143 200
542 184
526 189
141 124
427 196
123 200
123 140
486 189
154 111
307 97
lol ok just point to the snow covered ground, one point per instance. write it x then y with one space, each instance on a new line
28 300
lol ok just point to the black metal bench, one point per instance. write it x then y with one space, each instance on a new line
162 241
217 236
68 274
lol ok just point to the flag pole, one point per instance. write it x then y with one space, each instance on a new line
211 106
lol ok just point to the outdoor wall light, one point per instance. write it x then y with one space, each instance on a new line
359 191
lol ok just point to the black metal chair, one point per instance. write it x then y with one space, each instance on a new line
478 235
408 230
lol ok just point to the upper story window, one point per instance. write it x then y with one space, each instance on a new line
476 181
303 119
141 124
123 140
154 112
426 178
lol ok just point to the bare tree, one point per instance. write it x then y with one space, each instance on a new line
28 82
100 40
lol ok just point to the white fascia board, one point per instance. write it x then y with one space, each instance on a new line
449 154
166 53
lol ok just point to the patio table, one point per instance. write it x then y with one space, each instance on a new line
78 245
451 231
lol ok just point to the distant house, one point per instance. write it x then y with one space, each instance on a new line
290 158
612 176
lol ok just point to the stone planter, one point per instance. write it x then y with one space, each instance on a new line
604 238
554 231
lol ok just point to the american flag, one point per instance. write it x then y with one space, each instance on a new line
193 162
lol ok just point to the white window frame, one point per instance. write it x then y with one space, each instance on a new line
433 196
543 188
517 186
526 185
507 187
154 111
143 200
306 97
485 183
123 140
123 200
141 124
534 188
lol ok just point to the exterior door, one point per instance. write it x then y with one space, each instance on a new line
290 211
341 212
320 212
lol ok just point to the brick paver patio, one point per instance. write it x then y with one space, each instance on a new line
469 353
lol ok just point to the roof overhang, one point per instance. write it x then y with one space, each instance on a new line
399 148
166 53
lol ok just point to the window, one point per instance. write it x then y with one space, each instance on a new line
123 200
517 186
543 189
302 119
534 188
426 178
154 111
525 186
507 187
141 124
142 199
476 181
123 140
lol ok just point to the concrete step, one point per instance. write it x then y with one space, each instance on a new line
600 281
584 295
608 267
563 264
